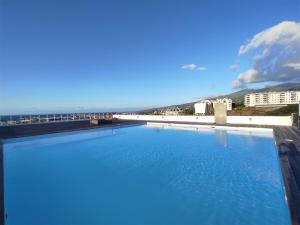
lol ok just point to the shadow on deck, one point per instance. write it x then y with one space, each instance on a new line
288 145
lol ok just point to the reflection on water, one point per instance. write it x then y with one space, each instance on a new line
248 131
221 133
221 138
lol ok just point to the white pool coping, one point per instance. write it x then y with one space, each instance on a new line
256 131
233 120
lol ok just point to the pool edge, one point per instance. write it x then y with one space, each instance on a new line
280 134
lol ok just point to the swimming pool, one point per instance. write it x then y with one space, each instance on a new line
150 174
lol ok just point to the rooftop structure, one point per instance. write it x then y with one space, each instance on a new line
272 98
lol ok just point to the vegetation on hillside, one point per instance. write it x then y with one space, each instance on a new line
189 111
284 111
238 99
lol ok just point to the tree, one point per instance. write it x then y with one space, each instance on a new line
189 111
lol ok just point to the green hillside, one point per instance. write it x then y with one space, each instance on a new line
238 97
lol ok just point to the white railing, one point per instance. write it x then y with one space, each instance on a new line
49 118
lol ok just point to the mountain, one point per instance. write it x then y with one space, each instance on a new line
281 87
238 97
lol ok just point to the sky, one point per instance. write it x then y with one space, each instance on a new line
69 56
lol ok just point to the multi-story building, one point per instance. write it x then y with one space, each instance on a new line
203 107
272 98
173 111
206 106
225 101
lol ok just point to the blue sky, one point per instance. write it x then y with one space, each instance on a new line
69 56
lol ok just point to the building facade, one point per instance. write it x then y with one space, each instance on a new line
272 98
225 101
203 107
206 106
173 111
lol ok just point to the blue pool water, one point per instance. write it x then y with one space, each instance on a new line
144 175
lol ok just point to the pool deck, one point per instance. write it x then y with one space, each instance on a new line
287 141
15 131
1 185
288 145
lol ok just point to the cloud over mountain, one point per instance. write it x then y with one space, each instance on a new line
275 55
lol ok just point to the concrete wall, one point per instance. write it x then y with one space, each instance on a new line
246 120
261 120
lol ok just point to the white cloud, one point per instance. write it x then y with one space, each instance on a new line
191 67
281 34
295 66
202 68
238 84
250 76
276 55
234 67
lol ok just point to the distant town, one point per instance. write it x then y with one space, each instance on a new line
279 100
251 102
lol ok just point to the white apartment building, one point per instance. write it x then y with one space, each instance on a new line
173 111
205 106
225 101
272 98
